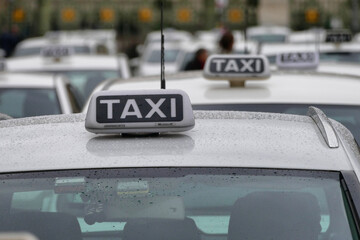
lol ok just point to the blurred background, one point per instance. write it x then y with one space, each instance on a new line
133 19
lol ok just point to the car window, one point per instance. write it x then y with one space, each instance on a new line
228 203
85 81
170 56
21 102
352 57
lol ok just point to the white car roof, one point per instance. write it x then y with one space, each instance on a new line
283 87
260 30
75 62
169 35
219 139
275 48
20 80
308 36
45 41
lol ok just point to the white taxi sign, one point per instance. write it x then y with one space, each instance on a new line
139 111
297 60
56 51
237 67
338 36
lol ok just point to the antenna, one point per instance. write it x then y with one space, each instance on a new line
246 26
162 70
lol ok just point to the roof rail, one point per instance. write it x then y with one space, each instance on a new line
325 126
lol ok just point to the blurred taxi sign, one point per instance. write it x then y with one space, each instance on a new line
139 111
338 36
145 15
297 60
68 15
56 51
237 68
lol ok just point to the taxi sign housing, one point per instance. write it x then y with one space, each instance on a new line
297 60
237 68
57 51
139 111
338 36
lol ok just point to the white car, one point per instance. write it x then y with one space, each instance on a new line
26 95
295 176
34 46
283 92
268 34
84 72
348 52
149 62
105 39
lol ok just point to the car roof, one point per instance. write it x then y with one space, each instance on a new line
289 87
219 139
20 80
47 41
260 30
274 48
75 62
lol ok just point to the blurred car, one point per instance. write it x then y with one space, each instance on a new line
291 175
268 34
105 39
34 46
285 91
84 72
26 95
149 63
329 52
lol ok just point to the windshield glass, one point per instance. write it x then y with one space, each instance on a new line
172 203
170 56
353 57
26 102
85 82
268 38
349 116
23 52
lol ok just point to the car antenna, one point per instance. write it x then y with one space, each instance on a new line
162 70
245 28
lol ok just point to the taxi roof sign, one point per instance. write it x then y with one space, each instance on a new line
297 60
237 68
338 36
57 51
139 111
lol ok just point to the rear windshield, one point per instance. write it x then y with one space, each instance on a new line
85 81
349 116
177 204
22 102
169 55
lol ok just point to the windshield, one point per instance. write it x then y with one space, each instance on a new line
23 52
349 116
170 56
27 102
85 81
352 57
172 203
268 38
